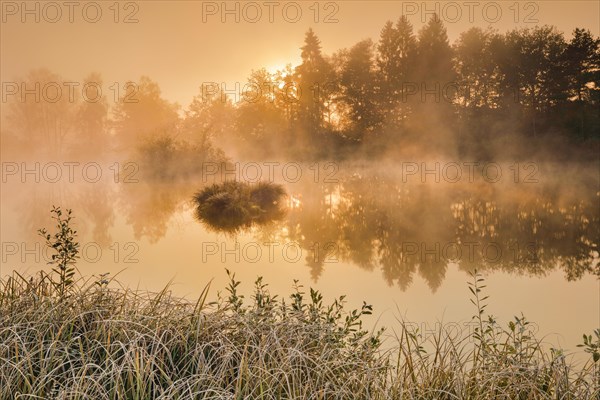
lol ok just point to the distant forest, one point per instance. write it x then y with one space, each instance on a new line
407 93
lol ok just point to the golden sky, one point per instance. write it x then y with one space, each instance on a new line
181 44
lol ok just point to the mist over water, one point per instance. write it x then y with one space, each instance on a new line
399 219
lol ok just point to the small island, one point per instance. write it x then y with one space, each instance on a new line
233 206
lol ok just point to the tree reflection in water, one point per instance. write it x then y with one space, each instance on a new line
376 222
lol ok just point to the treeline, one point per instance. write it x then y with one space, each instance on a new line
100 121
406 92
408 88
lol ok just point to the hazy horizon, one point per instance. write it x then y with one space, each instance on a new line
171 44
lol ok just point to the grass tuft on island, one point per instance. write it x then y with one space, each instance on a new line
232 206
68 338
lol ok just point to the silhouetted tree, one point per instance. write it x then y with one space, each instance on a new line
358 90
396 53
260 122
313 77
434 55
582 58
478 87
533 71
435 86
582 64
476 69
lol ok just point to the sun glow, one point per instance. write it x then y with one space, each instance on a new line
285 68
294 202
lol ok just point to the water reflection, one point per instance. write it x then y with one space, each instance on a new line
370 219
376 223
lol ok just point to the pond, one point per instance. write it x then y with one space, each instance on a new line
400 235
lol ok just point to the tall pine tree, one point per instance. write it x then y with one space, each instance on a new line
313 77
358 88
395 67
434 54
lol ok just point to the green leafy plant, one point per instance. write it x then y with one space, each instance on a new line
66 250
592 345
484 329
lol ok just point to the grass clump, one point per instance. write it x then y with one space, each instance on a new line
98 340
232 206
113 343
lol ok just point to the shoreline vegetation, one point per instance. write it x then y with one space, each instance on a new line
63 337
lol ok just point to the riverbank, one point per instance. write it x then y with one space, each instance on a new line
96 339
